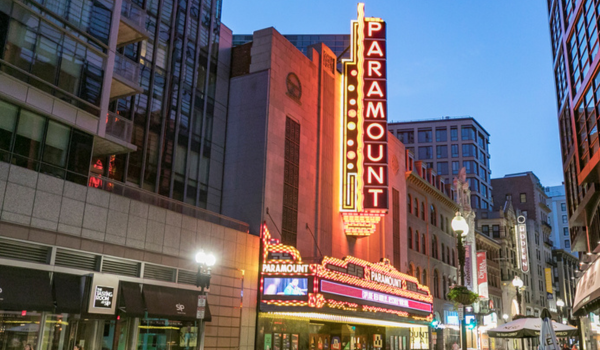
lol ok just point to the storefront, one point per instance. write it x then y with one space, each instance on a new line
586 307
338 304
42 310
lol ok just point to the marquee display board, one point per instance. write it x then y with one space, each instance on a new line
364 168
349 284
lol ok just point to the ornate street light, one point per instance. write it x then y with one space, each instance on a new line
460 225
518 283
505 317
560 305
205 262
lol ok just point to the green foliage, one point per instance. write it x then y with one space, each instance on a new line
462 295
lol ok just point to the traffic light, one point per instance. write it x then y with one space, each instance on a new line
471 322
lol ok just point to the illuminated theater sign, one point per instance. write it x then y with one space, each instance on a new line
348 284
364 128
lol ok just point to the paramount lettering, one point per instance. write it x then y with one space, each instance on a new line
285 268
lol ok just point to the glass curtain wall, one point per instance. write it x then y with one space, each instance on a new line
173 117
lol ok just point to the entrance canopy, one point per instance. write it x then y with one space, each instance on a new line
529 327
587 293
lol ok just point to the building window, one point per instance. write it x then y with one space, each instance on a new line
424 278
442 168
471 166
432 215
425 136
467 133
565 231
455 167
423 244
416 240
37 143
441 135
485 229
416 211
453 133
291 176
410 238
523 197
434 248
436 284
453 259
425 152
396 227
469 150
443 252
567 244
406 136
563 206
442 151
423 210
496 231
564 219
454 151
409 204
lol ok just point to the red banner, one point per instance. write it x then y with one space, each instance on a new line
482 277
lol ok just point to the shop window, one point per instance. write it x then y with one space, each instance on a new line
19 331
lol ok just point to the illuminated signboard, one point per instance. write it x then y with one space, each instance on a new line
522 239
349 284
364 168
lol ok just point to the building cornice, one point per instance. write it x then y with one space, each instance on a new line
413 178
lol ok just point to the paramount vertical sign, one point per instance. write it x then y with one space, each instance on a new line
364 128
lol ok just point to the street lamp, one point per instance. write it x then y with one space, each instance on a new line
560 305
205 262
505 317
518 283
461 227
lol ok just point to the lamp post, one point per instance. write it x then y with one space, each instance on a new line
461 227
518 283
205 262
560 305
505 318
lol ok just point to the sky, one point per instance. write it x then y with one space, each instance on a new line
488 59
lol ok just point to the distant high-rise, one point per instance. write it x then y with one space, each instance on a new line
558 218
448 144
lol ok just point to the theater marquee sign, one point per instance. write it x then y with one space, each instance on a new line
364 128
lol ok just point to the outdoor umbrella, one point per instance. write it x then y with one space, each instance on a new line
547 337
529 327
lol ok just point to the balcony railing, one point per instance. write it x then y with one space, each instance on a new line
132 12
549 242
151 198
119 127
127 68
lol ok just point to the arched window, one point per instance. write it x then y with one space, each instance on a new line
423 244
411 270
436 284
423 210
448 255
443 252
444 287
424 278
416 212
418 275
409 204
441 222
410 238
434 247
416 240
453 258
432 215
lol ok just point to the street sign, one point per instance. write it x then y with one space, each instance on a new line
201 307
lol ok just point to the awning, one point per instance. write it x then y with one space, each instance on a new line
130 299
68 291
587 293
25 289
171 303
529 327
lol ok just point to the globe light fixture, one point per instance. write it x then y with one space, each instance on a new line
505 317
205 262
560 303
460 225
517 282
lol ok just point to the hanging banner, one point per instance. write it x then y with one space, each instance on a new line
468 267
548 272
482 277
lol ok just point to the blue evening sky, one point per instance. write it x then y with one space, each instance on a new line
489 59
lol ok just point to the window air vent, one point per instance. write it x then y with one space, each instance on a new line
160 273
121 267
186 277
23 251
75 260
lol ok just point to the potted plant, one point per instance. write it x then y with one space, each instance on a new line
462 295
